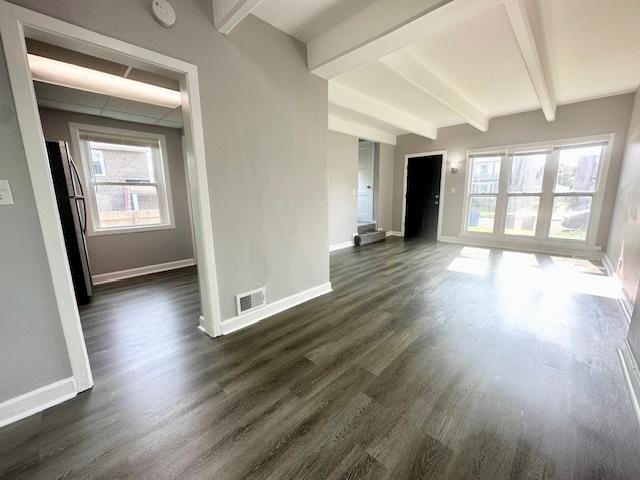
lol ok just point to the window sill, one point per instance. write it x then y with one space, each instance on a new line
554 247
125 230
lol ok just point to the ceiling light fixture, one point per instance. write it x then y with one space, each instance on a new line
68 75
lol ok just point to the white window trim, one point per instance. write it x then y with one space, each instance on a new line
540 239
163 181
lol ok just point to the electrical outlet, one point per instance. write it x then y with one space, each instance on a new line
5 193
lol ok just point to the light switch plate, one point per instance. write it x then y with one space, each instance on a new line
5 193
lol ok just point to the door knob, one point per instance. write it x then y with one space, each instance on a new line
369 186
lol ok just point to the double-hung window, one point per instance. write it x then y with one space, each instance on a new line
483 192
126 180
543 192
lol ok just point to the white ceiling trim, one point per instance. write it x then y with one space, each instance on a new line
413 70
382 28
227 14
355 129
527 29
358 102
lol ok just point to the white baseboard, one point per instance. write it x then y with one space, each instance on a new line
625 303
340 246
631 376
36 401
392 233
241 321
583 251
137 272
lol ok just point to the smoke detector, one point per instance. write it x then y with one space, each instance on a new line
163 12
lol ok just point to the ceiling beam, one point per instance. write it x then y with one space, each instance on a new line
525 22
356 129
383 27
408 66
229 13
358 102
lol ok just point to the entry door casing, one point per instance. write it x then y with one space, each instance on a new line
423 197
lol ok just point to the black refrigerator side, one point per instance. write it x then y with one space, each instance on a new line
71 205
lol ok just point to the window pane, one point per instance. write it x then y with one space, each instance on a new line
522 215
127 205
485 174
124 164
482 213
526 173
578 169
570 217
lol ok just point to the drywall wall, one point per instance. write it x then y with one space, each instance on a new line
606 115
33 352
265 128
623 248
342 176
384 192
112 253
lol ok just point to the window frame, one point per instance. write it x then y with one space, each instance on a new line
161 173
547 195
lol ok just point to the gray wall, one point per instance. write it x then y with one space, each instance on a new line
111 253
265 126
32 348
385 174
623 248
342 175
607 115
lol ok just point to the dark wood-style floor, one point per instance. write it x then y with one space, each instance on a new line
426 361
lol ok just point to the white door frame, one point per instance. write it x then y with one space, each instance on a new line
442 181
15 21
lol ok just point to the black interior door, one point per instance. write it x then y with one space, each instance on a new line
423 197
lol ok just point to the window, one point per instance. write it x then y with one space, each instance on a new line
97 163
545 192
525 191
127 180
575 187
485 177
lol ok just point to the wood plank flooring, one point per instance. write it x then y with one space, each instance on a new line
426 361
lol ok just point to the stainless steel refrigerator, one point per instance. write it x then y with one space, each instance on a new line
73 216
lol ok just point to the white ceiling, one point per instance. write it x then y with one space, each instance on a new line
490 58
306 19
72 100
79 101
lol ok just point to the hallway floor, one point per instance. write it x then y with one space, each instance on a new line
426 361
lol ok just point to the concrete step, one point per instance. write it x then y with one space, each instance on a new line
367 228
370 237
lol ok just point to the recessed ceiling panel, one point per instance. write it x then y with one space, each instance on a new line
377 81
480 59
593 45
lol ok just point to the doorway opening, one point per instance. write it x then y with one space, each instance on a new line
423 195
142 192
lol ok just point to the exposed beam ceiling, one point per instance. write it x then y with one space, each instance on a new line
229 13
417 65
525 21
356 129
414 71
365 105
382 28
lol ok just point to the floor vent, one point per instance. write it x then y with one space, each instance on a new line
245 302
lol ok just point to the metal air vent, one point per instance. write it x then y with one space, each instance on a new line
245 302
